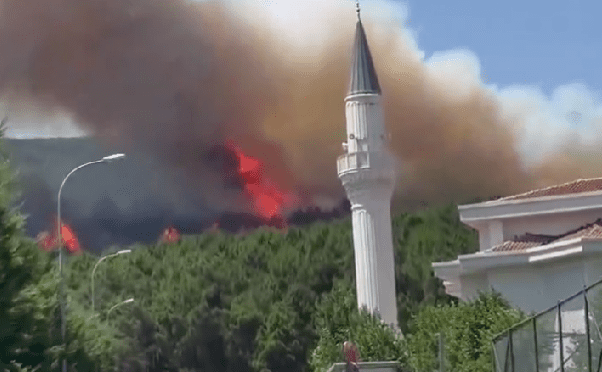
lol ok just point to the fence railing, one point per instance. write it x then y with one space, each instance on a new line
566 337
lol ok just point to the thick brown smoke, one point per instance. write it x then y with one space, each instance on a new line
177 79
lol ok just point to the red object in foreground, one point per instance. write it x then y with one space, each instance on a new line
352 356
170 235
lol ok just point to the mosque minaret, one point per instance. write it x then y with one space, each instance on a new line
367 171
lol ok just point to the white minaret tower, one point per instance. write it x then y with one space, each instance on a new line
367 171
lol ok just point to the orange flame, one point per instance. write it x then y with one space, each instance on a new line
268 201
69 239
49 242
170 235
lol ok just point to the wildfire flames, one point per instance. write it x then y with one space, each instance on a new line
49 242
267 204
170 235
267 199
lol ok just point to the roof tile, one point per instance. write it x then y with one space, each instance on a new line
574 187
590 231
512 246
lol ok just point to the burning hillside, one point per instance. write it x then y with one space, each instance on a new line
266 199
134 200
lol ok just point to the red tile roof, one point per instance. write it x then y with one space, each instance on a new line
593 231
573 187
522 243
511 246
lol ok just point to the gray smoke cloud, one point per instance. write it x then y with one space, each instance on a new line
178 79
119 203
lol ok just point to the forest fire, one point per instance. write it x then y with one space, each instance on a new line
268 201
49 242
170 235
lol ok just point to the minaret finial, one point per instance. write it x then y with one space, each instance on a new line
357 9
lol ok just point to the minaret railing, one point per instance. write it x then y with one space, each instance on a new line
355 161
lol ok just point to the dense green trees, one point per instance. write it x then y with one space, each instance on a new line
30 336
467 330
421 238
260 291
250 301
27 287
256 295
337 320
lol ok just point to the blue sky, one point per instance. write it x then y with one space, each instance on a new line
533 42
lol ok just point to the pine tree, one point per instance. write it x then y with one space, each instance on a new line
27 285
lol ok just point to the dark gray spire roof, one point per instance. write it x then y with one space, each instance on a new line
363 75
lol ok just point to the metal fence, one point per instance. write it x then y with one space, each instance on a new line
566 337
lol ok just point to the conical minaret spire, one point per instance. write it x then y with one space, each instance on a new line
363 75
367 172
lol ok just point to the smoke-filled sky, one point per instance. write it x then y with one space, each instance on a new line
179 79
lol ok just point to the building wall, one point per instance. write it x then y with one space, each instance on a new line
563 279
484 241
490 233
534 288
592 266
522 286
471 285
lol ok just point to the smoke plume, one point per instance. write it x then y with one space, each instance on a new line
179 79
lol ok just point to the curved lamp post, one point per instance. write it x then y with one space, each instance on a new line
106 159
94 271
112 308
119 304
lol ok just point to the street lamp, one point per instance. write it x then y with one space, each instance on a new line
106 159
110 158
112 308
119 304
94 271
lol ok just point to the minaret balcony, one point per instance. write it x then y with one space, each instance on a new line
356 161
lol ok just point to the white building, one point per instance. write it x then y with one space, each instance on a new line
367 171
536 248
